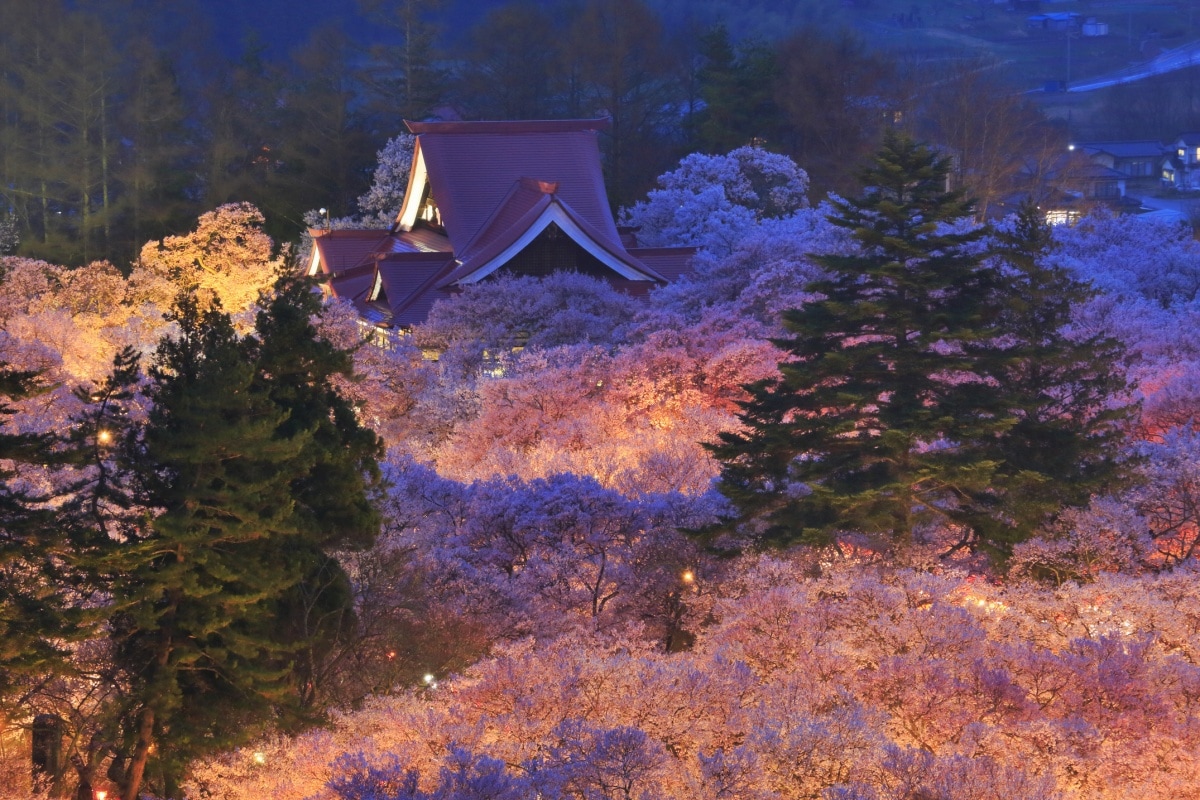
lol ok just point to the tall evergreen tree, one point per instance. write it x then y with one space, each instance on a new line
934 381
192 590
869 427
737 85
334 494
1065 391
248 471
32 623
405 80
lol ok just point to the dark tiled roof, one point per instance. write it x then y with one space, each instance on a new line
515 224
421 240
520 207
1131 149
408 279
669 262
494 183
343 249
353 283
472 167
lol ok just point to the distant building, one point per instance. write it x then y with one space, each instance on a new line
1139 162
483 199
1181 162
1056 21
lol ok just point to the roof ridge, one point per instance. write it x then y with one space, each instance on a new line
509 126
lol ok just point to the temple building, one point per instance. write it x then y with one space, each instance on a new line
484 199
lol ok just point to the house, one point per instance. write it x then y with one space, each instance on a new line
1138 161
485 199
1069 185
1181 164
1055 21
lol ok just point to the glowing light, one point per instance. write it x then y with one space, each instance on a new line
100 794
688 576
985 604
103 437
260 757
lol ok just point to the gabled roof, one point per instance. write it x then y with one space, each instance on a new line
343 249
1142 148
498 186
409 281
671 263
527 211
472 167
340 250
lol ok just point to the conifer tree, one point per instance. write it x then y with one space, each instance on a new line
1065 392
32 622
335 493
934 381
869 426
248 470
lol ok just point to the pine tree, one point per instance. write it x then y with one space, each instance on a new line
191 615
334 496
869 426
1066 393
737 85
248 470
32 619
935 381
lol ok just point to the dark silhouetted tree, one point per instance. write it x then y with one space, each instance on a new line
867 428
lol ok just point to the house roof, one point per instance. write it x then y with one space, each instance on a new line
343 248
410 283
497 186
528 211
472 167
670 262
1146 148
352 283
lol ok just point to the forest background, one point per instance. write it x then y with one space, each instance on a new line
121 121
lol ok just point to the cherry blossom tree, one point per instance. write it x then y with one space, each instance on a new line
390 180
710 201
228 257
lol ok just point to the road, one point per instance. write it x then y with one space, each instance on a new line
1180 58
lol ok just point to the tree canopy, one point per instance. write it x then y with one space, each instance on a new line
915 377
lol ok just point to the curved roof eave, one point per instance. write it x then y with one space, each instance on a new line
521 235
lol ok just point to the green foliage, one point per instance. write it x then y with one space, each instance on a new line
1066 392
737 84
210 527
32 619
864 429
930 383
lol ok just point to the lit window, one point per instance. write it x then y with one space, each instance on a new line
1062 216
